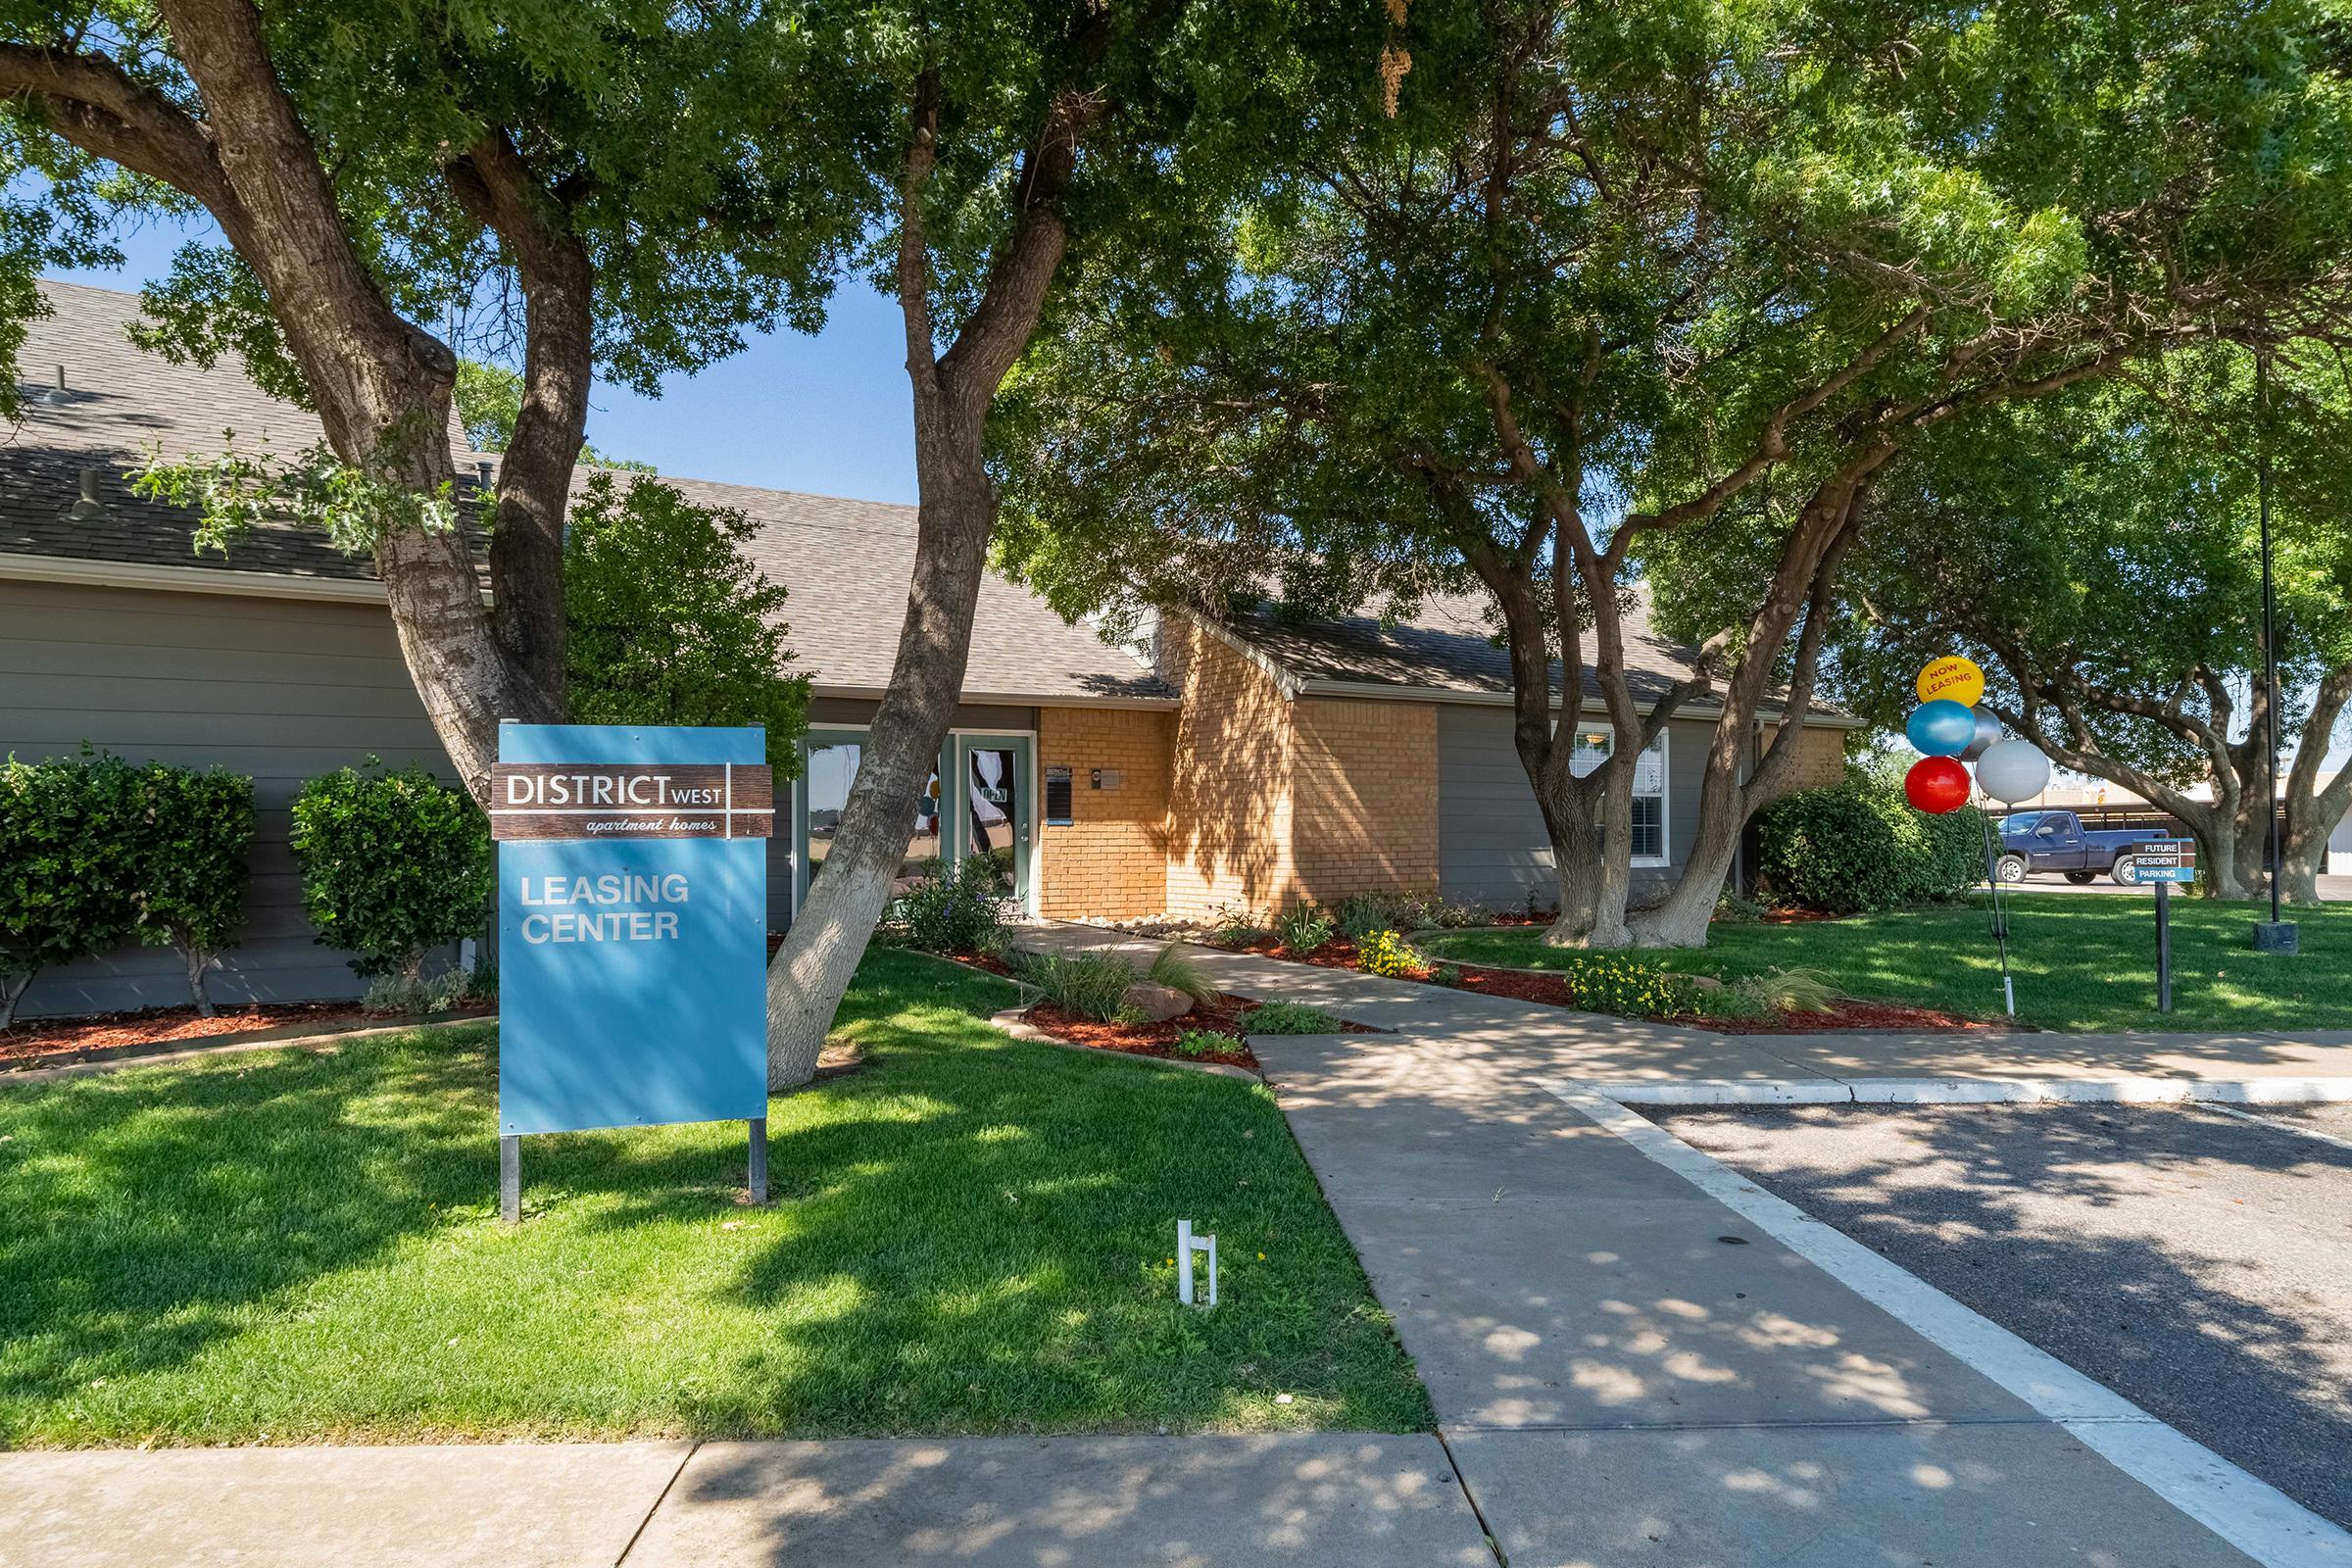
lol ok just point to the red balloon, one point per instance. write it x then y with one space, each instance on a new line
1937 785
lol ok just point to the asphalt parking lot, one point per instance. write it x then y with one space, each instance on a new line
2196 1262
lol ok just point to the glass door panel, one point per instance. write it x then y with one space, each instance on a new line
997 817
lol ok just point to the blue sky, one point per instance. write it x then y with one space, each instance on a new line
829 414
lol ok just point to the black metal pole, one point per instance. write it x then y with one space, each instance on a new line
2164 947
2278 936
2270 608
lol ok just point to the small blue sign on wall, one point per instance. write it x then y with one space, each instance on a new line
632 925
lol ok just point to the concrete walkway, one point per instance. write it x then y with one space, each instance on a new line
1626 1368
1316 1500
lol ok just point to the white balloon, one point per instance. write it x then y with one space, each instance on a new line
1987 736
2012 771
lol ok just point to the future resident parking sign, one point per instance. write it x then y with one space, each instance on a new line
632 925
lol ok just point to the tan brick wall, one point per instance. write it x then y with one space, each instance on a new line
1230 808
1111 860
1820 758
1366 777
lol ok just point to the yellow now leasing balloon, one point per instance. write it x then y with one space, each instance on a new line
1954 678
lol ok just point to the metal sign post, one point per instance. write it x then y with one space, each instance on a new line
2000 917
632 919
2163 863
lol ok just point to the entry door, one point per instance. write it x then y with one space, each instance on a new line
995 815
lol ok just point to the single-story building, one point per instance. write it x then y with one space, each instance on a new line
1223 765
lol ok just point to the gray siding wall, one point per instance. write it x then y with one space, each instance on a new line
1492 848
280 688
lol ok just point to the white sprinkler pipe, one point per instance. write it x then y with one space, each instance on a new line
1187 1244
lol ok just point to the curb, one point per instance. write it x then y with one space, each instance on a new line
77 1064
1014 1023
2132 1090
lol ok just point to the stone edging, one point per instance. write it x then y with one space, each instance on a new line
1015 1022
106 1059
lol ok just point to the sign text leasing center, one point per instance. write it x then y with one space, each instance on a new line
632 871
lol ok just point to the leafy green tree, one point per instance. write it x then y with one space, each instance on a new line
584 184
2099 556
1004 138
1658 295
672 622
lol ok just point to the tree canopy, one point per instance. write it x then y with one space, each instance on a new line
1623 294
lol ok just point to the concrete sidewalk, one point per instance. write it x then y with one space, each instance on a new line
1317 1500
1632 1361
1625 1370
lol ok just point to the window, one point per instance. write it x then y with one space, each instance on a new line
825 786
1593 748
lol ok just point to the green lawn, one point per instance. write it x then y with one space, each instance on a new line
2083 962
970 1235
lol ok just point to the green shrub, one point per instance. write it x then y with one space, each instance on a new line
1859 846
1304 928
1235 925
1446 974
70 854
1290 1018
1633 987
189 894
1204 1042
394 865
953 909
1092 985
1179 970
1388 954
1359 915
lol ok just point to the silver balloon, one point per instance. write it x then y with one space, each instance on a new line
1989 735
2012 771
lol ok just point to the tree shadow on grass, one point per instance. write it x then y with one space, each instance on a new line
2139 1289
969 1236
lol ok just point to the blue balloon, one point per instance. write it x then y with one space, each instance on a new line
1941 729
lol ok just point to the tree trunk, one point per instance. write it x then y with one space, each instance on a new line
812 969
1804 584
12 990
198 961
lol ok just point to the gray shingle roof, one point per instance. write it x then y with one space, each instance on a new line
846 563
120 402
1448 645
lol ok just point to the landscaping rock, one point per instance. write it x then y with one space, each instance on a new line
1703 982
1157 1002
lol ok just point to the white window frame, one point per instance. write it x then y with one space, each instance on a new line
1664 797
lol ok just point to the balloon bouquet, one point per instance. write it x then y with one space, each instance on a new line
1950 731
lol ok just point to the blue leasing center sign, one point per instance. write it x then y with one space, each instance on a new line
632 927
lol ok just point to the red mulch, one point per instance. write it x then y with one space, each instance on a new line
112 1031
1150 1039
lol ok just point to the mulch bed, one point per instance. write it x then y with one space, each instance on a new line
1552 990
1151 1039
107 1033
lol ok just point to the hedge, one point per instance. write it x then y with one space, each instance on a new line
95 851
1859 846
394 865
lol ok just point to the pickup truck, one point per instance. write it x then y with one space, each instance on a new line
2056 840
